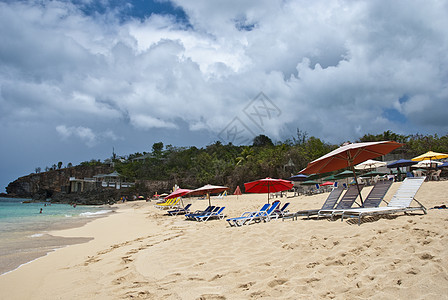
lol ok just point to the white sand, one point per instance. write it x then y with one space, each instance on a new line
141 253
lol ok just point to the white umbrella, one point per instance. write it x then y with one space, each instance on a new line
427 164
370 164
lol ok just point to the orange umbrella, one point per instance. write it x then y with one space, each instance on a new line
348 156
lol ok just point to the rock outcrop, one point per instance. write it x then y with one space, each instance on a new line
41 186
55 185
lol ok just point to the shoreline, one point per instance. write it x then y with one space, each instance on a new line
139 252
31 245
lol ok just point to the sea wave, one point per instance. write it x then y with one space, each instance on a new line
92 214
36 235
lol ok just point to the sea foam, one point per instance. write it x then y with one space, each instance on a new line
92 214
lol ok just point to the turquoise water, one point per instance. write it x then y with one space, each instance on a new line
18 216
23 229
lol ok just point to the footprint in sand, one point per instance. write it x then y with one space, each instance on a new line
127 259
277 282
217 276
246 286
211 296
426 256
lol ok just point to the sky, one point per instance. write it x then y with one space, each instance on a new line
81 79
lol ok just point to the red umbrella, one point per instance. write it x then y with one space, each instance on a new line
237 191
268 185
327 183
207 189
348 156
178 193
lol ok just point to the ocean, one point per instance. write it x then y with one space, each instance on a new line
24 230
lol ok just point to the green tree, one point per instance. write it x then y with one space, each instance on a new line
262 141
245 155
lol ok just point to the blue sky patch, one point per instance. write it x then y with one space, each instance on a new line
394 115
137 9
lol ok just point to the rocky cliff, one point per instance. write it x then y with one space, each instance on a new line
46 184
56 185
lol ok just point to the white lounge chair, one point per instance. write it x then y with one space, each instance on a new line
374 198
401 201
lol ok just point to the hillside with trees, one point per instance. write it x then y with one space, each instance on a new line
230 165
233 165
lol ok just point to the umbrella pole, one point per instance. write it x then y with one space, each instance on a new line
357 185
268 193
209 202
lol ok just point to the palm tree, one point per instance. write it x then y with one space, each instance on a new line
245 155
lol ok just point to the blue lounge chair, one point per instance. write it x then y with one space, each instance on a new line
180 211
246 214
280 212
211 215
191 216
262 216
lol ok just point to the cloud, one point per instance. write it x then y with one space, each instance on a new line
335 69
147 122
83 133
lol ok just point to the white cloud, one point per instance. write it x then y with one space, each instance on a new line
83 133
326 65
147 122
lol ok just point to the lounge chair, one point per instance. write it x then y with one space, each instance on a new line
347 201
191 216
170 203
328 204
400 202
278 213
246 214
180 211
373 199
211 215
262 216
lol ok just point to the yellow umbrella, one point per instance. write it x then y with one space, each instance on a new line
430 155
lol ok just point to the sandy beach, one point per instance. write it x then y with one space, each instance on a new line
139 252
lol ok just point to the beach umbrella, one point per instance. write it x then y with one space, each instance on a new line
430 155
309 182
326 183
298 177
427 164
207 190
178 193
401 163
348 156
444 165
237 192
330 178
373 173
344 174
268 185
370 164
